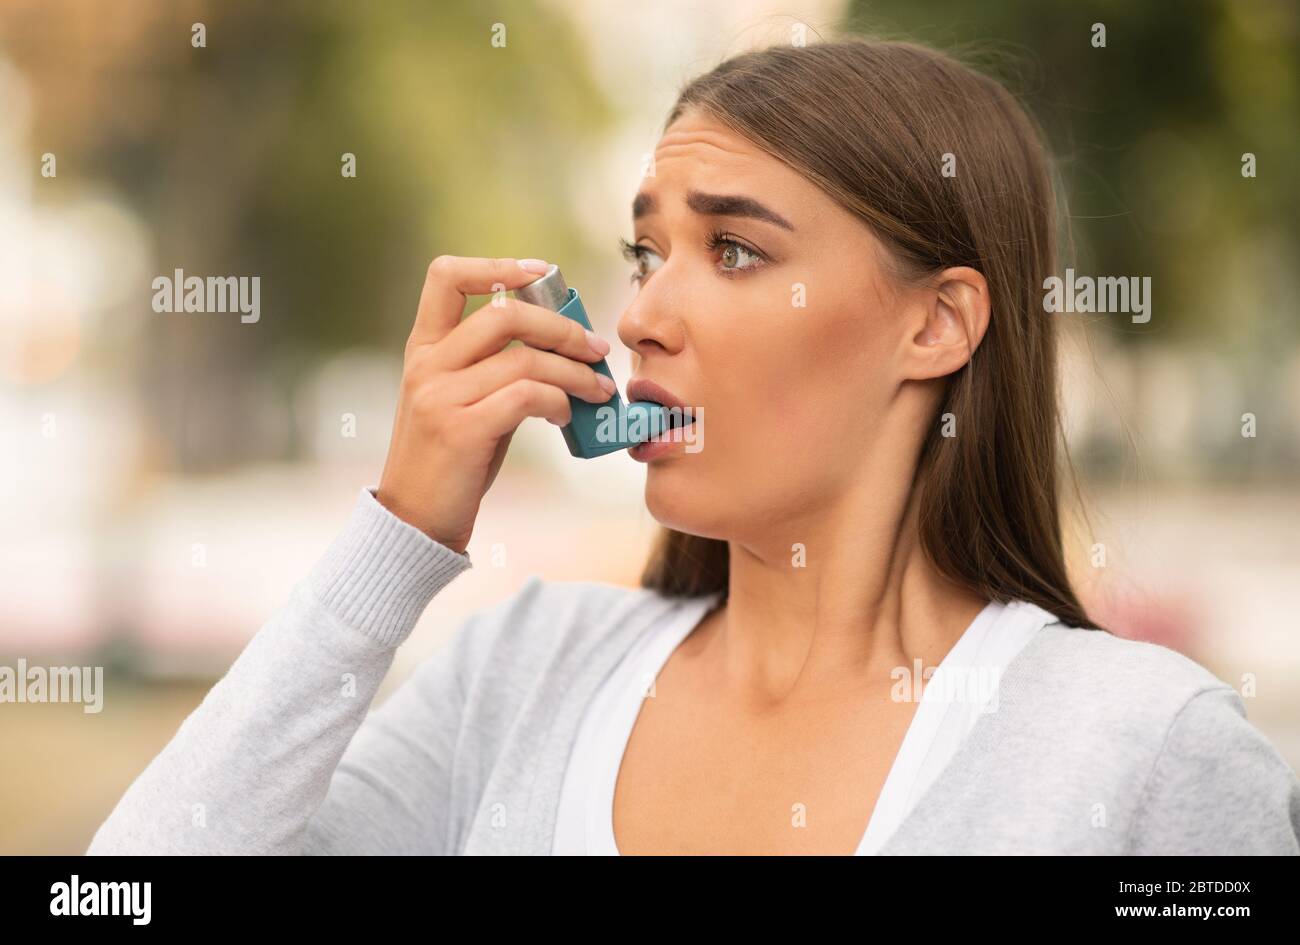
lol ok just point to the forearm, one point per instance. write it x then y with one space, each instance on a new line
250 767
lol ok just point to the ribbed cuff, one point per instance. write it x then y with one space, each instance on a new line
380 573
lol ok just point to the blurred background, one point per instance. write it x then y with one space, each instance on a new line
166 478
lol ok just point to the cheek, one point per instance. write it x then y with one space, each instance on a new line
791 392
757 385
804 378
853 377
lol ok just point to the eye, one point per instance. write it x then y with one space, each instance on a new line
640 256
736 256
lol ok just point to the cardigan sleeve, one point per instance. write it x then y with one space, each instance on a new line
1218 786
268 763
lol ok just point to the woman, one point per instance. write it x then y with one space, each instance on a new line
839 255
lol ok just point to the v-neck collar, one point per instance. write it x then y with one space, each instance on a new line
908 777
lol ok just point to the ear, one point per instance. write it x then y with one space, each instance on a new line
954 314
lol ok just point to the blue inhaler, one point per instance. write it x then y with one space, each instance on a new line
594 429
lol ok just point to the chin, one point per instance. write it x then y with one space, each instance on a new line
674 504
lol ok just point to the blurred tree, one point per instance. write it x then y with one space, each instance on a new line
232 154
1149 133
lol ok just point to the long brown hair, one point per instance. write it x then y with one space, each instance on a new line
871 123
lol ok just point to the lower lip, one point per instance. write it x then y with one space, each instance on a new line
653 449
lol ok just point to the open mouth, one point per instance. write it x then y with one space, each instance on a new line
674 416
676 420
642 389
677 417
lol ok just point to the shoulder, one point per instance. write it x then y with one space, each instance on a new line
1218 786
1204 778
1130 671
1125 692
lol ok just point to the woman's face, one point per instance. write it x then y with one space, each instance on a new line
780 335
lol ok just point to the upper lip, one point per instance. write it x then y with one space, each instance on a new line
642 389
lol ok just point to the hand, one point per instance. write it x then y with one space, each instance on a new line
462 395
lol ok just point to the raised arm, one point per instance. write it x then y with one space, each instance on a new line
260 765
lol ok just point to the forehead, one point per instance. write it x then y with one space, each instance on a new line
697 142
700 154
694 127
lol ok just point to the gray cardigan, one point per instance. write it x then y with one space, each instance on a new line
1099 745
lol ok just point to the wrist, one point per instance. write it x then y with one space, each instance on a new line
411 516
380 572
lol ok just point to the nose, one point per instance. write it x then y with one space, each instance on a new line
651 323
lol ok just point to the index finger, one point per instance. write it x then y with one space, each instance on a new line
451 278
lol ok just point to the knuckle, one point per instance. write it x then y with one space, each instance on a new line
577 335
512 313
440 266
528 393
522 360
415 357
415 370
516 395
539 396
425 406
412 381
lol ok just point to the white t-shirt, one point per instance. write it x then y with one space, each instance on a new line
962 687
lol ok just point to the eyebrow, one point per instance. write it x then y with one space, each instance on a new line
715 205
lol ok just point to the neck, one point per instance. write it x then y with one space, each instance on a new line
862 600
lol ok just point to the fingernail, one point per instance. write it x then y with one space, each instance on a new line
606 382
538 266
597 343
